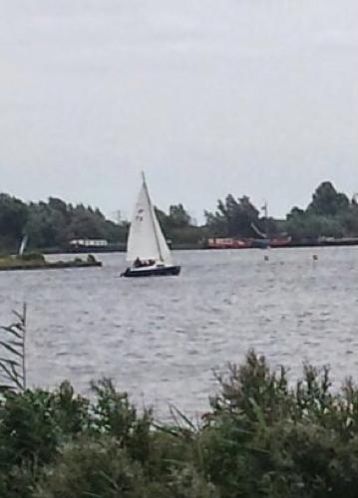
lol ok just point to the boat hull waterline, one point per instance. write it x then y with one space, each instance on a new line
158 271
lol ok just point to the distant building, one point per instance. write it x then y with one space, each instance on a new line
88 243
227 243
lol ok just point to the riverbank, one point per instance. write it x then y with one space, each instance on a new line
39 262
121 248
231 243
259 438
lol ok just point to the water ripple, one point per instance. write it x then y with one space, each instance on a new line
160 339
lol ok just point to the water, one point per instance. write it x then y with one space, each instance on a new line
160 339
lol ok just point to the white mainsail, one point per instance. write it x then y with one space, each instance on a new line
146 240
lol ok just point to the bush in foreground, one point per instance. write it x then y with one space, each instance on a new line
261 438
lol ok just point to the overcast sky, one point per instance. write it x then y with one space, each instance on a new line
256 97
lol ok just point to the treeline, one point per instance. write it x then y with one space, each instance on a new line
54 223
261 437
329 214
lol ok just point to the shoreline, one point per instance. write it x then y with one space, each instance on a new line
37 261
191 247
52 266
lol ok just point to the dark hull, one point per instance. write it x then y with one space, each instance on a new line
165 271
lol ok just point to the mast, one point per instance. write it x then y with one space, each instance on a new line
152 214
265 210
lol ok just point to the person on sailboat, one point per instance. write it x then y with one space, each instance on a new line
137 263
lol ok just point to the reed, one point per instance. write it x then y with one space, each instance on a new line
13 353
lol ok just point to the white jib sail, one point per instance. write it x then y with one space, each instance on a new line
146 240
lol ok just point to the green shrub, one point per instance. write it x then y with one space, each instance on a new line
102 468
98 468
261 438
34 424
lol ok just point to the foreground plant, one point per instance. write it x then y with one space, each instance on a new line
260 438
13 353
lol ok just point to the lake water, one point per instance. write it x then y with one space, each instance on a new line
161 338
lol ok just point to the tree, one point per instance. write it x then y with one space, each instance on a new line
233 217
327 201
53 224
163 221
178 216
13 217
177 226
330 214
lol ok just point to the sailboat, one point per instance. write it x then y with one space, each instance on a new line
23 245
147 250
